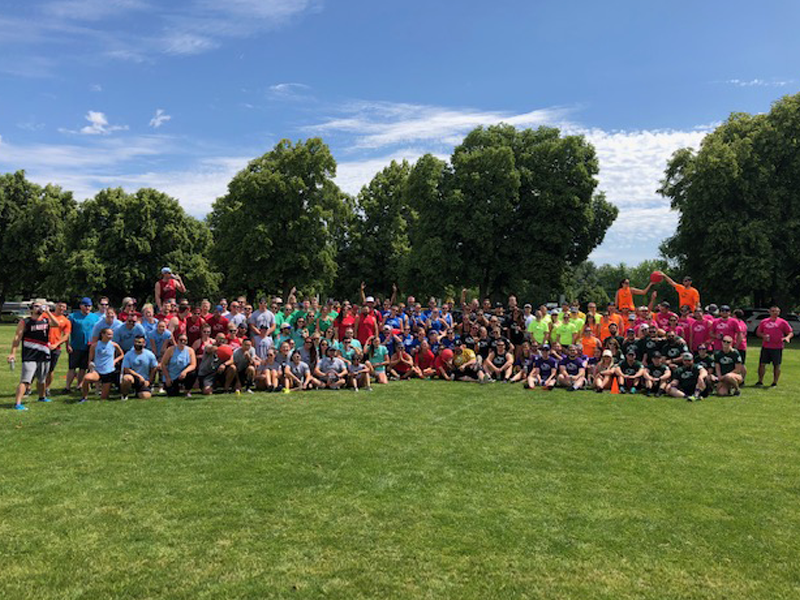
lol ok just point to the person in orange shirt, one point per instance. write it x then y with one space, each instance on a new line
58 337
588 341
624 296
611 316
687 295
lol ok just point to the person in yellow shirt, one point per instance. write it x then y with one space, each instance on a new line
539 328
465 363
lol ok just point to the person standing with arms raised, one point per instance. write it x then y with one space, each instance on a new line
168 287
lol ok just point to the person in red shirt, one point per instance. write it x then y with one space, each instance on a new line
180 313
366 326
219 324
346 319
194 326
167 287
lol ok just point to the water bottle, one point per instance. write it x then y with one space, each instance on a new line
12 363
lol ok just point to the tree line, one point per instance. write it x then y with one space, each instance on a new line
512 211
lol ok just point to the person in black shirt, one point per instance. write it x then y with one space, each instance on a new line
688 380
673 348
706 360
728 366
657 375
648 344
613 334
630 372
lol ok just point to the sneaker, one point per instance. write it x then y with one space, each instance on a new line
355 389
648 393
66 391
758 384
45 399
20 407
691 398
82 400
249 391
737 392
633 390
188 394
623 390
162 391
288 391
238 393
773 384
599 390
123 398
369 389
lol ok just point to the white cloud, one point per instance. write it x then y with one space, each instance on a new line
289 91
759 82
96 87
187 44
31 125
98 125
159 119
383 124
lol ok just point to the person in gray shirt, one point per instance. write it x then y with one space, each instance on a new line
262 317
331 370
243 369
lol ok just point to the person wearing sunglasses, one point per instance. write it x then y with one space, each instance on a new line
728 366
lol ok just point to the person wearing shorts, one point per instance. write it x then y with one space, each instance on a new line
105 356
138 370
34 334
83 322
59 335
688 380
774 333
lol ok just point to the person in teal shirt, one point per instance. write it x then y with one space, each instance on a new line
378 357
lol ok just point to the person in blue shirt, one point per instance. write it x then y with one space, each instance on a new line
104 357
110 320
125 335
138 370
83 322
159 340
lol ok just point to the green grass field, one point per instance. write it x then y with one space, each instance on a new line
417 490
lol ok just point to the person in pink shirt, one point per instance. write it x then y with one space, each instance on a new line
724 325
685 317
738 314
774 333
682 331
663 315
700 332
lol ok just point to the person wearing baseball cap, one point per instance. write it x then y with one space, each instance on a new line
605 371
629 372
688 380
657 375
83 322
687 295
168 287
219 323
34 334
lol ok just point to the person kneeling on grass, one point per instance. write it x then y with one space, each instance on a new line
105 357
331 370
729 367
605 371
358 374
377 359
401 366
543 370
179 367
211 371
242 370
688 380
629 373
424 360
499 364
138 370
657 375
465 364
572 370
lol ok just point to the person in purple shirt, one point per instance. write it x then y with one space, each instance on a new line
572 370
543 370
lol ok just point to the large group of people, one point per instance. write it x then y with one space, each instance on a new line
174 347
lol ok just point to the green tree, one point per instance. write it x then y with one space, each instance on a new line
118 242
377 245
32 227
739 225
521 209
279 224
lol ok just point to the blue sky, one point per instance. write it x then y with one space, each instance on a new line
179 95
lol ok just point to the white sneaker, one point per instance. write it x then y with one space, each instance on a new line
123 398
249 391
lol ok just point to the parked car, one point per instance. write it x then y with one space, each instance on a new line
755 319
12 312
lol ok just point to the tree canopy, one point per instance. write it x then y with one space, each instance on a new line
739 225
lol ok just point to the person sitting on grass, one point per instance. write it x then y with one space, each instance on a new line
688 380
499 364
543 370
377 359
572 370
424 360
298 375
358 374
465 364
728 366
605 371
706 360
138 370
401 365
657 375
105 355
269 377
179 367
629 372
443 365
331 370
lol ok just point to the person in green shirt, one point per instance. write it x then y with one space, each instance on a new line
323 321
378 357
282 317
539 329
565 332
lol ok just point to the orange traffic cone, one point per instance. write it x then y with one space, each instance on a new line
614 386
